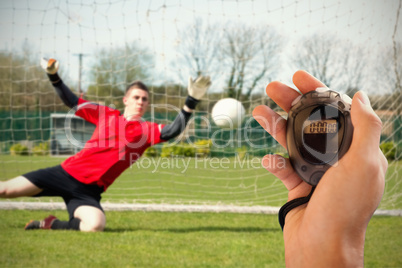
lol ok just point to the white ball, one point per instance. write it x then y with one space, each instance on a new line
228 113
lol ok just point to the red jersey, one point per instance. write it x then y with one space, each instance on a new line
115 145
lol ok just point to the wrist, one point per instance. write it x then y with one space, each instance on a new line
191 102
54 78
333 248
187 110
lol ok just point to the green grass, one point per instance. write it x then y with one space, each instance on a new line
164 180
152 239
155 239
170 182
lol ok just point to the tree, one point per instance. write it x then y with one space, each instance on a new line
114 70
340 65
249 54
355 72
197 48
23 83
316 55
389 75
237 56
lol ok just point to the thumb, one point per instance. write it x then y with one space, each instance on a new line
43 63
190 81
367 125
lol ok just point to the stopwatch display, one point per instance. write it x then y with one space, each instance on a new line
319 132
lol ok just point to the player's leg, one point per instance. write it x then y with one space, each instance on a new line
82 201
92 218
17 187
85 210
85 219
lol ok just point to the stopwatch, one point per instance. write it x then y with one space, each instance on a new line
319 132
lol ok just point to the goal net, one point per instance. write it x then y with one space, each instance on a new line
104 45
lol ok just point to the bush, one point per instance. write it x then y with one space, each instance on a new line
241 152
41 149
166 150
19 149
203 148
182 149
200 148
389 150
151 152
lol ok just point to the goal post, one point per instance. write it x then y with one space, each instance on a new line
68 134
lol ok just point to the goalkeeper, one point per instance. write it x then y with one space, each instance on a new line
117 142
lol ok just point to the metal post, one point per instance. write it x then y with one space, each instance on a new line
80 55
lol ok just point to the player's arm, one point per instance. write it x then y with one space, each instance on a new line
51 67
196 90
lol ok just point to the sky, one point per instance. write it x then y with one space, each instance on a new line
64 28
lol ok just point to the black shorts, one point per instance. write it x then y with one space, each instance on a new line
55 181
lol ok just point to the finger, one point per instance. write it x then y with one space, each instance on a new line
209 82
272 122
201 81
206 80
51 62
282 94
283 170
367 126
43 63
305 82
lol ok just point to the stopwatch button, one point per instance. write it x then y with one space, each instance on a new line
347 99
296 100
316 177
321 89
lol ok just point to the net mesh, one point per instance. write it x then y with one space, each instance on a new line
103 45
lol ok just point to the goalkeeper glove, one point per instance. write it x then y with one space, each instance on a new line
51 66
196 90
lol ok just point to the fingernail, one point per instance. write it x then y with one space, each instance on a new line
363 98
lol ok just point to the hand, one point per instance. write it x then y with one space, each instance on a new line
199 87
330 228
51 66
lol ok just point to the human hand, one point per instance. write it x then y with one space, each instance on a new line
198 87
330 228
51 66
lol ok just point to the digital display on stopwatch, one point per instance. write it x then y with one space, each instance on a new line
321 127
319 132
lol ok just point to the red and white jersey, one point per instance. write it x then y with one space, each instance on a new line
115 145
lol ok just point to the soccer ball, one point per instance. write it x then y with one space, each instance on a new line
228 113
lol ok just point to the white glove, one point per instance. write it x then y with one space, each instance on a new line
197 88
51 66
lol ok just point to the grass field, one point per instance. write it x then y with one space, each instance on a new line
148 181
156 239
